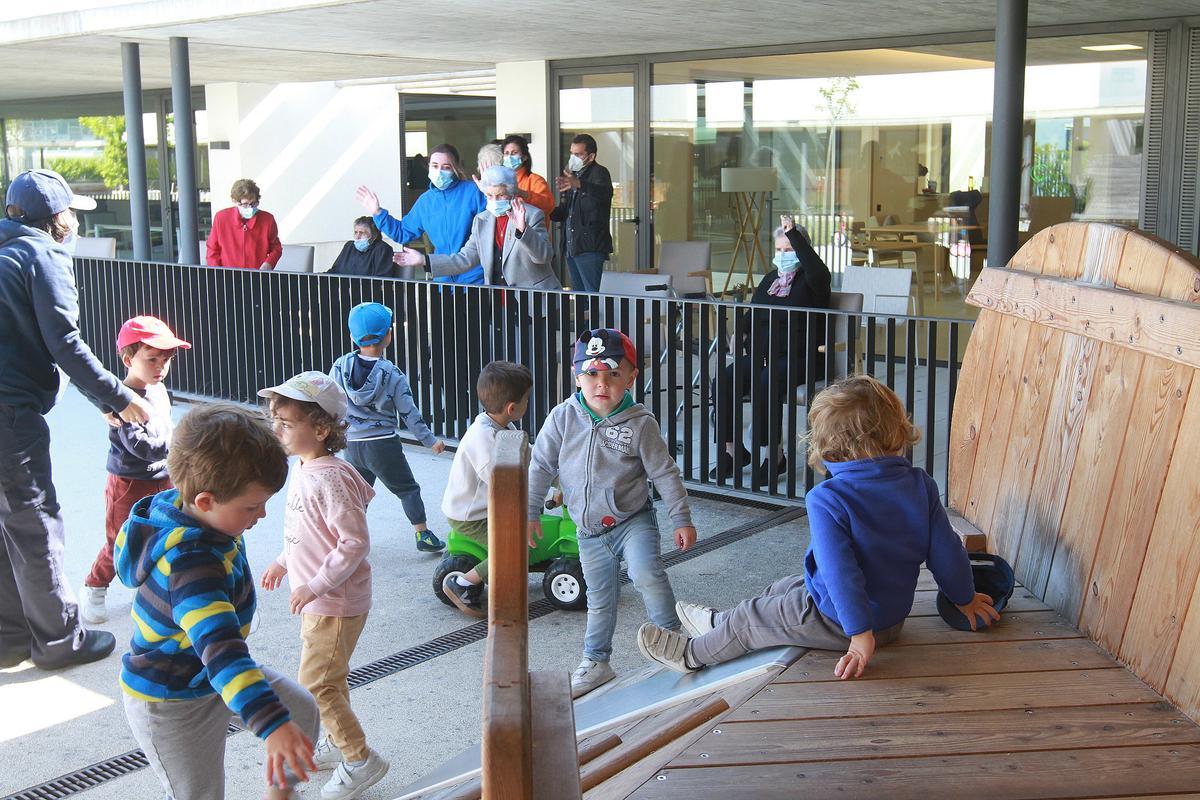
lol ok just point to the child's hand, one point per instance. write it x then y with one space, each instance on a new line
287 745
554 498
981 606
438 447
535 530
112 419
858 654
685 538
273 576
302 596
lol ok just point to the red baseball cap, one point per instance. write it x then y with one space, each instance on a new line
152 331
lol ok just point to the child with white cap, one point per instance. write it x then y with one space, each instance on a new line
325 558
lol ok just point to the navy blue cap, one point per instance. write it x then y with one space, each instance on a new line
42 193
602 349
993 577
369 323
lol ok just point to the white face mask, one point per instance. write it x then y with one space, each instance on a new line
70 242
575 164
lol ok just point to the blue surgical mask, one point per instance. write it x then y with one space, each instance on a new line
499 207
361 245
512 162
247 211
575 163
440 178
785 260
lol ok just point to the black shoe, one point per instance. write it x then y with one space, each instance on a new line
96 645
13 657
468 599
725 467
762 471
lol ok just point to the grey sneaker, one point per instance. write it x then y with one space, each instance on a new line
697 620
468 599
664 647
92 609
326 754
351 781
590 675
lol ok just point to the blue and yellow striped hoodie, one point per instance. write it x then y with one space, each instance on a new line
195 598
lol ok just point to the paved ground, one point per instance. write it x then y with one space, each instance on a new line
55 723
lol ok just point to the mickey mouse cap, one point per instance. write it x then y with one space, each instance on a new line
601 349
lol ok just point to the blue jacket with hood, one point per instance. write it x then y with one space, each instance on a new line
39 326
195 599
446 215
376 404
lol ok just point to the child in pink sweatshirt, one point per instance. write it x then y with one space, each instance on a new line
325 558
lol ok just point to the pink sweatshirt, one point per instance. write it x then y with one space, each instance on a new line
325 536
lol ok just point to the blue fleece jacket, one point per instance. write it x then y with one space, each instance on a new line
39 326
378 400
872 525
195 599
446 215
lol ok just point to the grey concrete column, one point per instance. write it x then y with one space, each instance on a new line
135 150
1008 111
185 151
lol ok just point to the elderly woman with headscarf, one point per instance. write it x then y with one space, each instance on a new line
508 238
366 253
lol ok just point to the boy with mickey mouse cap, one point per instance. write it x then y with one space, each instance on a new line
602 447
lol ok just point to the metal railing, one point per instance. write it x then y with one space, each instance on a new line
252 329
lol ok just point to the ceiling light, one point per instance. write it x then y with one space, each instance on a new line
1110 48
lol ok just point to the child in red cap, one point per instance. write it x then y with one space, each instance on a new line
137 452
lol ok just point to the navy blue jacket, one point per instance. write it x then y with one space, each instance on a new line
872 525
39 326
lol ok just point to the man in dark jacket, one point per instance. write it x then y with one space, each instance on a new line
585 206
39 335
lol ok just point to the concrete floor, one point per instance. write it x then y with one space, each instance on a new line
55 723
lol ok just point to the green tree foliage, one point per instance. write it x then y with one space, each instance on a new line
113 166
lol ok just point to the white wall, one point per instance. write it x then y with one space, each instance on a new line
307 146
522 106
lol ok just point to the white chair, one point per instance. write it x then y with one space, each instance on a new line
296 258
96 247
680 260
636 284
886 290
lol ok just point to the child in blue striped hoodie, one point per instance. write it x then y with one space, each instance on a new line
188 666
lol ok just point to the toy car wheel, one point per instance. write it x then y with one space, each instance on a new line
564 586
447 565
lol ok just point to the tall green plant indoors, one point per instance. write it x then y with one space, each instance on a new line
114 167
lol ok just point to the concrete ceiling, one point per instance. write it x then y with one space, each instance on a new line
272 41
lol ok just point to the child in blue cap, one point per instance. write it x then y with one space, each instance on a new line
603 447
379 394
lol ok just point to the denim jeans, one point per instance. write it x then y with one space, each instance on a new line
586 269
637 540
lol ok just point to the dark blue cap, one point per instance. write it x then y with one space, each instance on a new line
42 193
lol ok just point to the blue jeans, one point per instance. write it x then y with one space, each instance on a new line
637 540
384 458
586 269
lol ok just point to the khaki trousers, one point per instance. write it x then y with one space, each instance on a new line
324 666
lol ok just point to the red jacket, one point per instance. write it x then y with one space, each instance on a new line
246 243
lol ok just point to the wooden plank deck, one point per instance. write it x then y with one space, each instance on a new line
1030 709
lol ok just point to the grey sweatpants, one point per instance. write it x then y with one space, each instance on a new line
784 614
184 740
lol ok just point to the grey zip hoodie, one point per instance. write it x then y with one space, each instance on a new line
602 467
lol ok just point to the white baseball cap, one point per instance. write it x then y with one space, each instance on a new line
312 387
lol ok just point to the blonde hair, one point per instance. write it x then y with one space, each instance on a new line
221 448
857 417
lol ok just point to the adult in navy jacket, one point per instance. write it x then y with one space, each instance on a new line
39 336
445 211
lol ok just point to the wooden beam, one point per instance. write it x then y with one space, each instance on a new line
973 539
1152 325
555 758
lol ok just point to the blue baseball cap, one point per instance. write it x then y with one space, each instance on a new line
369 323
42 193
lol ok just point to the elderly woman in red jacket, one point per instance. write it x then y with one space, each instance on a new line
244 236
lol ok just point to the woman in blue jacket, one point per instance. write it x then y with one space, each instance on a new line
444 212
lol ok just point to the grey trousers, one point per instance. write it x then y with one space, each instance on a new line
38 613
784 614
184 740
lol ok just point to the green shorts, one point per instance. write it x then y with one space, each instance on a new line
477 531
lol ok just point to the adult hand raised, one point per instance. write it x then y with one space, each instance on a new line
787 222
407 257
518 214
368 199
567 181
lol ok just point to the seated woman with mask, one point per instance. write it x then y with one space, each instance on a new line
366 254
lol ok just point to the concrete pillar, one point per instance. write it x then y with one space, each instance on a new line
185 152
1008 107
135 150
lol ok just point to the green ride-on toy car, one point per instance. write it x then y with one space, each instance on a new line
556 555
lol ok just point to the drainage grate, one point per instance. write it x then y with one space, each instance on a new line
126 763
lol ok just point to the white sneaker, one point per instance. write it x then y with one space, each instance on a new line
697 620
590 675
665 647
92 609
351 781
326 754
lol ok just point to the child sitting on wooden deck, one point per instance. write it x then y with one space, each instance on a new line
872 524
